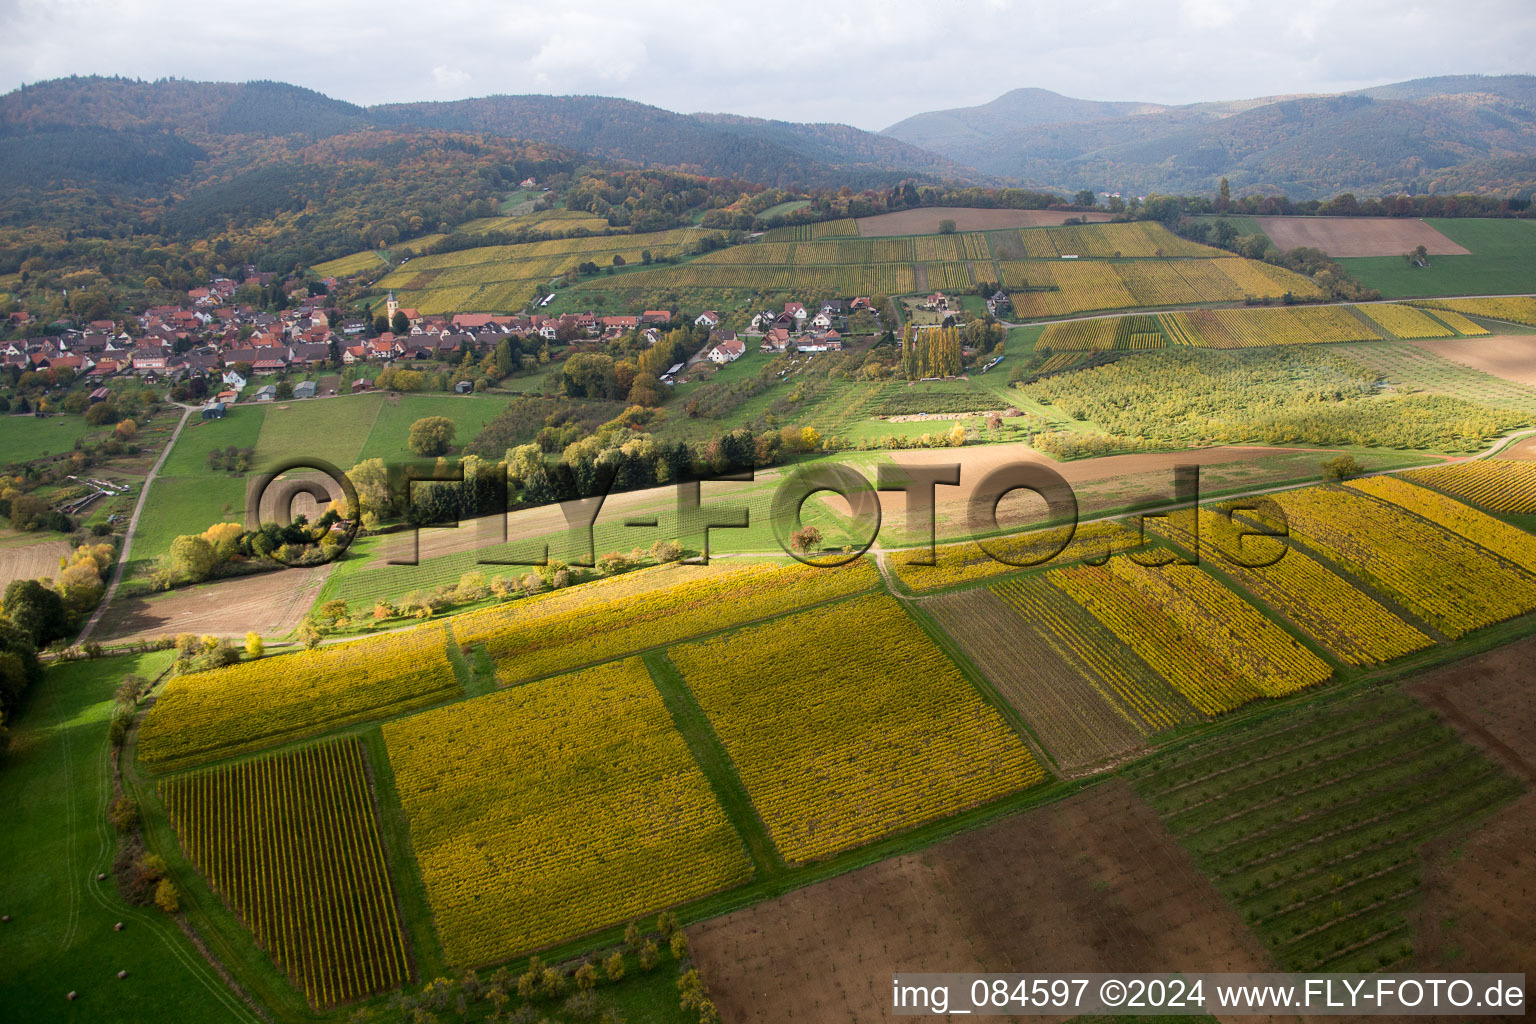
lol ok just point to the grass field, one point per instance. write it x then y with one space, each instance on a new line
60 939
391 426
24 438
1503 261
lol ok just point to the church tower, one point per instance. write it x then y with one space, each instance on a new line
390 306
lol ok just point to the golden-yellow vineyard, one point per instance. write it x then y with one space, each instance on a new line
1445 580
1111 665
272 700
552 809
1256 328
1215 649
966 562
564 630
1105 241
1334 612
1405 321
1499 485
1488 533
1515 309
846 724
291 845
1041 288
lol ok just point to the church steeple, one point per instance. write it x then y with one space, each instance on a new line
390 306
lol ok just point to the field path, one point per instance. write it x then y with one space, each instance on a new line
1150 310
133 523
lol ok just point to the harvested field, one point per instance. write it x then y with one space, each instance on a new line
926 221
1359 236
23 561
1471 919
1077 725
1093 883
271 603
1510 356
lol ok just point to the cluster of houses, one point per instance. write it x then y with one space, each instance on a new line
212 338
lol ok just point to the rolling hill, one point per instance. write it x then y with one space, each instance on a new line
1409 136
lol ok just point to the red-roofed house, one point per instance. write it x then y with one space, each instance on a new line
726 352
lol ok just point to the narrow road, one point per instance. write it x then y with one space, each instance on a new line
133 523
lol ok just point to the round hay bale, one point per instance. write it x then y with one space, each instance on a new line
121 975
72 996
118 927
101 876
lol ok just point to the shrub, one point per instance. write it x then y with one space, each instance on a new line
166 897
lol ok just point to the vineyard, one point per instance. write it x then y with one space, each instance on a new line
1405 321
846 724
1065 287
1499 485
847 227
1104 334
636 611
261 703
1076 723
567 805
291 844
1210 646
1516 310
1287 395
1257 328
1312 823
1139 240
1334 613
955 564
1509 543
350 266
1444 579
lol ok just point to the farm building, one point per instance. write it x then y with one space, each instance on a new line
304 389
361 384
100 395
464 387
266 393
213 411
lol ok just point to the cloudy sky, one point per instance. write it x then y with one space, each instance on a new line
863 62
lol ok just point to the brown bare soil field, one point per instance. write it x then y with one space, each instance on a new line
271 603
1478 890
1511 356
1077 725
926 222
1092 883
1525 448
23 561
1358 236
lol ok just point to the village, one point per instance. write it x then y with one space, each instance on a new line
214 350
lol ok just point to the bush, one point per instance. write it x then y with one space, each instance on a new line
166 897
123 814
1341 467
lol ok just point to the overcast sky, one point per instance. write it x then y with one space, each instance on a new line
860 62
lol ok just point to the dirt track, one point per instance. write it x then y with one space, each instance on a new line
926 221
1093 883
1358 236
1511 356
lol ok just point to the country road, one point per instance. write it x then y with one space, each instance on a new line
133 523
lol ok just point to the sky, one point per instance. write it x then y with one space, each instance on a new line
868 63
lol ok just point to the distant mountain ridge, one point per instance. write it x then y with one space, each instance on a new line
1405 136
771 152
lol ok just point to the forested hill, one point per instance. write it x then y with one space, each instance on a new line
772 152
221 117
1412 136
